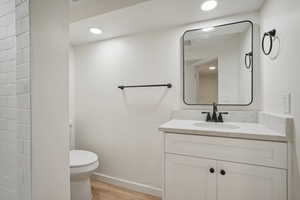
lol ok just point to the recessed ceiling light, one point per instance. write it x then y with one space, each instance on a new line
96 31
208 29
209 5
211 68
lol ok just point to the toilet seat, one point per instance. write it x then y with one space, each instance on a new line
82 162
82 166
80 158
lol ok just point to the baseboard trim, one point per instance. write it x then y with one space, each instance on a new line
139 187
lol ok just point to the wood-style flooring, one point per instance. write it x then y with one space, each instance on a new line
105 191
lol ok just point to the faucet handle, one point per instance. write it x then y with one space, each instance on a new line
215 107
208 117
220 117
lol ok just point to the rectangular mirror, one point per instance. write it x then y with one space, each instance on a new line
217 65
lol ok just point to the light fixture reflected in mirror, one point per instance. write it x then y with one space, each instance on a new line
208 29
212 68
209 5
96 31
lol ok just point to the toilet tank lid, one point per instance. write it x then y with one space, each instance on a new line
80 158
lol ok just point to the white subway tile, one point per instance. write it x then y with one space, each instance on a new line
8 66
22 25
22 10
24 132
23 56
3 32
11 125
11 77
4 136
15 79
3 90
24 177
23 41
3 101
5 1
20 146
23 71
8 101
11 89
23 86
7 31
11 101
23 101
7 7
8 90
19 1
7 113
7 43
27 133
3 125
11 30
8 175
24 117
7 55
7 19
9 194
3 133
27 147
3 78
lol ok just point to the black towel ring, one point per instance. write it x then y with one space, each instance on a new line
248 60
271 34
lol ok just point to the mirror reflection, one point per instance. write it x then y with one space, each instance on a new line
218 65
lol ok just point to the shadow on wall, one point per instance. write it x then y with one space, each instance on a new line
139 100
295 175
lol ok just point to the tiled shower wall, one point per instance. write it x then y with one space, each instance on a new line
15 114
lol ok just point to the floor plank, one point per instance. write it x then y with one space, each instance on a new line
105 191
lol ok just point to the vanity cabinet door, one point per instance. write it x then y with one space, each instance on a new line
188 178
247 182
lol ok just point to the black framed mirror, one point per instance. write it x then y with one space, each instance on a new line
218 65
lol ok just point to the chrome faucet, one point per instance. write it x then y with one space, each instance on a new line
214 116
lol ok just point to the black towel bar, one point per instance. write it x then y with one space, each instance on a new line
122 87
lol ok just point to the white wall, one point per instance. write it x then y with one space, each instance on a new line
49 62
122 126
282 75
208 88
228 71
71 97
227 50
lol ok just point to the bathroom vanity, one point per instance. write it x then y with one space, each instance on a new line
245 158
224 161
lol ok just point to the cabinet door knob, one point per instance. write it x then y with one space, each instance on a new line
212 170
223 172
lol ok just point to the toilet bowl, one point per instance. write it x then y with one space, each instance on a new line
82 166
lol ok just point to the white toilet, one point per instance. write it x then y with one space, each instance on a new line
82 165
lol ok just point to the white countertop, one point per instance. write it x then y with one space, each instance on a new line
252 131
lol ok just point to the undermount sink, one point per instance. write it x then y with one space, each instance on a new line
213 125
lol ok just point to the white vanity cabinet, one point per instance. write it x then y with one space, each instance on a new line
190 178
216 168
248 182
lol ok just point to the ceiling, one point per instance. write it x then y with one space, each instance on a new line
153 14
81 9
